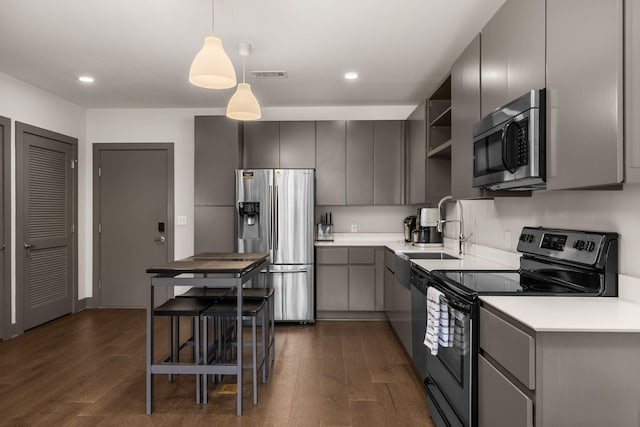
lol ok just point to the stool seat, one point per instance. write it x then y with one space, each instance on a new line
182 307
249 308
205 293
252 293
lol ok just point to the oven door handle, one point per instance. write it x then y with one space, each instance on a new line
506 162
462 307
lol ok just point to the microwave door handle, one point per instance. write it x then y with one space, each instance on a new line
505 161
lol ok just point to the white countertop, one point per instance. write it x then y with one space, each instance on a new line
570 314
396 243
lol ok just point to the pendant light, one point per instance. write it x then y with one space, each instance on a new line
243 105
212 68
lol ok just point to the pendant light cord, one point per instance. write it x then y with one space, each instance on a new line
213 20
244 61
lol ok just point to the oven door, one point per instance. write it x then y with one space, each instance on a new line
449 373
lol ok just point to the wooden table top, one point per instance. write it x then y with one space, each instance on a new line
212 263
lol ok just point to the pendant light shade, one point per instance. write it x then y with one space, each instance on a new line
212 68
243 105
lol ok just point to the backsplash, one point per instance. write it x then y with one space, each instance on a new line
368 219
497 223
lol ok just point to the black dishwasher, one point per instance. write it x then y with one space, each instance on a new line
418 322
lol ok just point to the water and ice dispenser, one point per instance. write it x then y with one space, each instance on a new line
249 220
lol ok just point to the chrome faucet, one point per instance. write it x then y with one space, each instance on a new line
461 237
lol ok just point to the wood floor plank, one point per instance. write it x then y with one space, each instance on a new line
88 369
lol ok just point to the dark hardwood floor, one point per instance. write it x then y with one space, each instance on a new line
88 369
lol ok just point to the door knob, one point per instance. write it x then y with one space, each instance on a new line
160 239
28 245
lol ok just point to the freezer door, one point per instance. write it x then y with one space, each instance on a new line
293 201
255 234
294 291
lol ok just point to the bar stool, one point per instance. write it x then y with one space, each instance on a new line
174 309
265 294
212 293
227 311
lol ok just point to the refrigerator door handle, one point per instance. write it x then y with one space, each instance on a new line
277 219
271 211
297 270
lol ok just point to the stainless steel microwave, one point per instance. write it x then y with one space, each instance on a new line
509 147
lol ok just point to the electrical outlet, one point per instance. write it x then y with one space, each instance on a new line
182 220
354 228
507 238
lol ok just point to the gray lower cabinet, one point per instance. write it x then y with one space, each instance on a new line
360 163
397 304
362 287
332 287
509 69
331 168
555 379
214 228
261 145
347 279
298 145
584 93
501 403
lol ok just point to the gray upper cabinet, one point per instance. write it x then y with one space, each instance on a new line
217 155
465 112
438 168
584 95
298 145
261 145
632 91
388 150
513 52
416 155
360 163
331 163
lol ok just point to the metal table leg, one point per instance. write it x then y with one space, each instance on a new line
240 343
150 350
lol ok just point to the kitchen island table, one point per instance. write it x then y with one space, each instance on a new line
209 269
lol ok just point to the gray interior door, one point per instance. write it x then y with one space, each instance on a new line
5 227
135 218
45 224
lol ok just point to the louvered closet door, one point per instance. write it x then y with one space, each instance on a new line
47 274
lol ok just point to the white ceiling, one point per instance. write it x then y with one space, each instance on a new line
140 51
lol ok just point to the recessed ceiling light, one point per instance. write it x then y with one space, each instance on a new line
351 75
86 79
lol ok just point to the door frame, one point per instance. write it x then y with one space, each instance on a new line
20 131
98 148
5 204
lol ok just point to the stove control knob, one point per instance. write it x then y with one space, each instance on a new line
523 237
530 238
581 245
591 246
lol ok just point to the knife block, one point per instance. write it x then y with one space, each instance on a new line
325 233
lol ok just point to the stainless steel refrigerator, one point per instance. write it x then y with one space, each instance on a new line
274 213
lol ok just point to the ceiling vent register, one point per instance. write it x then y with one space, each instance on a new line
269 74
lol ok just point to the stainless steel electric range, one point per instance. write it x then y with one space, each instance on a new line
554 262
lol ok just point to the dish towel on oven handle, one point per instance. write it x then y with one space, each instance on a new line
438 331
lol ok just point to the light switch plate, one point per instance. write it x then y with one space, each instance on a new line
182 220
